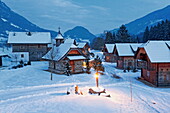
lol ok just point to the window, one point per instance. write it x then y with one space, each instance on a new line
21 47
22 55
148 73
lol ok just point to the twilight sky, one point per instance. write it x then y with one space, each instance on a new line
95 15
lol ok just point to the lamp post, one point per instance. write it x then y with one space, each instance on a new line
97 79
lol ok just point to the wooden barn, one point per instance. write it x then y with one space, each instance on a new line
154 58
124 55
66 53
108 53
36 43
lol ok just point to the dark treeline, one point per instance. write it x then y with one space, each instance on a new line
161 31
108 37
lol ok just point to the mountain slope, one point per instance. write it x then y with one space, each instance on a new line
139 25
79 32
11 21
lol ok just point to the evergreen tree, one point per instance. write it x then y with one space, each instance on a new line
123 35
98 43
109 38
146 34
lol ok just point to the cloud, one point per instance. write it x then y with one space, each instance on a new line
65 4
99 8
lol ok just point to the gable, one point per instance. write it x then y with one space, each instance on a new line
74 52
109 48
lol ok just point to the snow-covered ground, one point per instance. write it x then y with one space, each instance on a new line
30 90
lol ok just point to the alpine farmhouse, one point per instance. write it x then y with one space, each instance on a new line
66 52
124 54
35 43
108 53
154 59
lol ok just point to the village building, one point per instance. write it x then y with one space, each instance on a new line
108 53
154 59
124 55
20 56
4 59
66 53
84 47
35 43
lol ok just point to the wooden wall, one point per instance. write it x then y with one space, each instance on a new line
36 51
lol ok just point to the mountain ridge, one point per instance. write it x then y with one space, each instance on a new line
137 26
13 22
79 32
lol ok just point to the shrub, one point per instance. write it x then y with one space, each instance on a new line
21 62
14 67
19 66
29 63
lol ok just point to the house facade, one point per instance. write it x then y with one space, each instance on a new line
124 55
35 43
154 59
108 53
84 47
66 53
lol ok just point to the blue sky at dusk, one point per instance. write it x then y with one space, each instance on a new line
95 15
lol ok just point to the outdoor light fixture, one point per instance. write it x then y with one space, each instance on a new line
97 78
84 64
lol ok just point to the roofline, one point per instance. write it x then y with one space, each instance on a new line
68 51
29 43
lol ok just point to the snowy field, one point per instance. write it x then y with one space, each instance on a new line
30 90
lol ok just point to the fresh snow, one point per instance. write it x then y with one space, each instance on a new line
157 51
30 90
4 19
110 47
35 38
15 25
76 57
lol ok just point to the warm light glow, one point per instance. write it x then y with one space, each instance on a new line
96 75
84 64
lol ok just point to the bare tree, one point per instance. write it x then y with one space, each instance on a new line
53 53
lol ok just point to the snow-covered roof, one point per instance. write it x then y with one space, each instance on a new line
127 49
110 47
69 40
57 52
168 43
59 36
124 49
75 57
157 51
81 45
135 46
60 51
3 53
25 38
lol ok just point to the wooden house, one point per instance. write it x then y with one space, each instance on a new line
108 53
36 43
154 59
59 56
124 55
84 47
